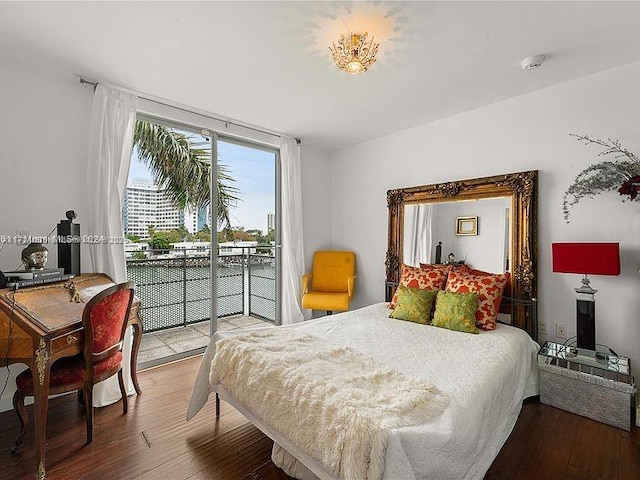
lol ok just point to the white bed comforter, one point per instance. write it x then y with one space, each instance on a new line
485 376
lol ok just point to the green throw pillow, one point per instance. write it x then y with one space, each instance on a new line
456 311
414 304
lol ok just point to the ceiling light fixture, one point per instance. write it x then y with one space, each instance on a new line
353 53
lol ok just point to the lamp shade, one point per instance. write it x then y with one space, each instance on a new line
586 258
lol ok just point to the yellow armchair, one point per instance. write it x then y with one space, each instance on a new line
330 284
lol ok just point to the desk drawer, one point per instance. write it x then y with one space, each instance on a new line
71 341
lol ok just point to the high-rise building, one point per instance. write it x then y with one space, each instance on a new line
146 205
271 221
196 219
191 220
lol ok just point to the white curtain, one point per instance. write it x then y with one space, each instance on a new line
113 119
417 234
292 242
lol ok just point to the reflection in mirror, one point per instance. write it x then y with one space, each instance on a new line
426 225
418 234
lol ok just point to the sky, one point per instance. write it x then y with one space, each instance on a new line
254 174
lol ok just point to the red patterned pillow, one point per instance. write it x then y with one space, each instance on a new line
488 286
432 278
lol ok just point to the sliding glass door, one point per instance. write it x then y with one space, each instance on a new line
248 235
201 218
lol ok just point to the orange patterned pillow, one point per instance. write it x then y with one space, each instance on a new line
488 286
505 293
461 267
432 278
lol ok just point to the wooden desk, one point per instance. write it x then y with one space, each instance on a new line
39 325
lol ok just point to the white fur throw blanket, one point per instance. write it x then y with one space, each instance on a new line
333 403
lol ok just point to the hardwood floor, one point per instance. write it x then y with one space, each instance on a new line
155 442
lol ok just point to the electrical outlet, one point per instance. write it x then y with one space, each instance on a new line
542 327
561 331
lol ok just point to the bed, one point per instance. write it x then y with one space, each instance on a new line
485 378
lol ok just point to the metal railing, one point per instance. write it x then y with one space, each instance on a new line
174 284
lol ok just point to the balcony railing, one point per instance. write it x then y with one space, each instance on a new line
174 285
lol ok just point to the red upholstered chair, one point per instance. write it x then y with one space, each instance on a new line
104 319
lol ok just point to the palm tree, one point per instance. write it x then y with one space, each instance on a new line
182 165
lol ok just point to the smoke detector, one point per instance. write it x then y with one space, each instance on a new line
532 62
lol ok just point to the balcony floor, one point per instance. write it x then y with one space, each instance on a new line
165 343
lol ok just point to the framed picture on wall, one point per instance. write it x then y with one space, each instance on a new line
467 225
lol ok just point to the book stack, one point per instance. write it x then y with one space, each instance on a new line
27 278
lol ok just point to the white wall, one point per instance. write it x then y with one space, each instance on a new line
316 201
524 133
44 123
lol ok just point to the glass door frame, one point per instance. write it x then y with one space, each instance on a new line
185 127
278 237
215 135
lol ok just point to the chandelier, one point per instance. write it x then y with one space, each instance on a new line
353 53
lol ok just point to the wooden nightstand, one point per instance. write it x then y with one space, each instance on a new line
596 385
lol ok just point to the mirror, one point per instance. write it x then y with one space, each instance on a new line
488 223
471 232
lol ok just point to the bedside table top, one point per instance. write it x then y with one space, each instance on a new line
600 364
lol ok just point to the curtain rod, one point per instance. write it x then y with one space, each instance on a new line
95 84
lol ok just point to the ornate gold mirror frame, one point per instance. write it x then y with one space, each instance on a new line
521 188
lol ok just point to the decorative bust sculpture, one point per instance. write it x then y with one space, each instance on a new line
34 256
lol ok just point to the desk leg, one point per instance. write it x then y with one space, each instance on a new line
41 371
137 339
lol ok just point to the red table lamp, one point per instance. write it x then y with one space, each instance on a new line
587 259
